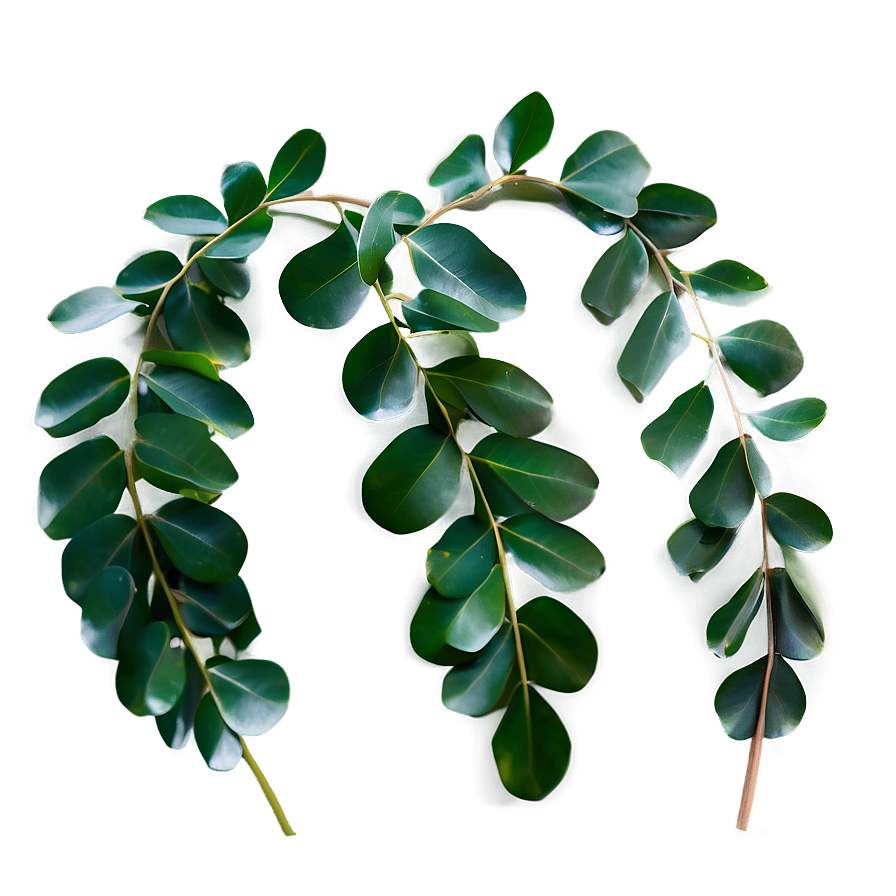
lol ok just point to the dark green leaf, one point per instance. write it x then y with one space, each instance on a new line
675 438
790 420
221 749
380 377
244 239
523 132
724 494
796 522
671 216
729 283
460 561
104 606
146 275
477 617
378 237
246 632
798 631
230 278
189 215
475 688
593 216
297 165
463 171
213 609
89 309
429 628
175 726
696 548
243 189
728 626
616 278
193 361
252 695
151 673
431 310
763 354
759 471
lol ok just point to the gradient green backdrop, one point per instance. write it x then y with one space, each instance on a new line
783 112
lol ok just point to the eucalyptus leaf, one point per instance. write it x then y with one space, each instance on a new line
251 695
763 354
616 278
523 132
431 310
675 438
724 494
791 420
377 237
89 309
243 189
460 561
221 749
729 283
798 523
380 376
297 165
151 674
463 171
188 215
104 607
475 688
728 626
799 634
671 216
696 548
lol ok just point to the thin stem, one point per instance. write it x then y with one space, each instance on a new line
268 791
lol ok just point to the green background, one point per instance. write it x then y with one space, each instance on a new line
780 120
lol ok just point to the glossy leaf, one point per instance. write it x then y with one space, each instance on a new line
243 189
413 481
675 438
104 607
431 310
213 609
696 548
671 216
616 278
798 523
228 277
724 494
475 688
523 132
799 634
763 354
79 486
380 377
297 165
791 420
728 626
174 726
378 237
188 215
251 695
451 260
593 216
193 361
244 239
82 396
555 555
246 632
478 616
729 283
759 469
107 543
151 673
89 309
608 170
147 274
220 747
429 629
460 561
660 336
531 746
463 171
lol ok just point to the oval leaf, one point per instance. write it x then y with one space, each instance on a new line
148 274
791 420
616 278
460 561
798 523
213 609
104 607
593 216
431 310
477 617
696 548
221 749
380 377
89 309
723 496
463 171
251 695
151 673
798 631
378 237
244 239
728 626
243 189
675 438
429 628
174 726
729 283
188 215
228 277
671 216
297 165
523 132
106 543
476 687
763 354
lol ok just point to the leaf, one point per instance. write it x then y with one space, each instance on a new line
429 629
675 438
104 605
217 404
89 309
791 420
729 283
728 626
82 396
228 277
798 523
475 688
478 616
463 171
738 697
451 260
671 216
321 287
723 496
759 470
763 354
413 481
203 542
151 673
559 649
251 695
549 480
297 165
79 486
378 237
213 609
193 361
188 215
696 548
498 393
175 452
593 216
616 278
175 726
531 746
660 336
148 274
431 310
243 189
523 132
246 632
220 747
460 561
799 634
608 170
197 322
380 377
244 238
555 555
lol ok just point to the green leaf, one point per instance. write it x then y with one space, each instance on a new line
380 377
243 189
174 452
246 632
429 629
378 237
555 555
475 688
798 523
147 274
321 287
89 309
608 170
531 746
297 165
217 404
213 609
500 394
151 673
799 634
549 480
244 239
203 542
738 697
175 726
723 496
791 420
79 486
616 278
220 747
671 216
460 561
523 132
675 438
430 310
696 548
478 616
252 695
593 216
729 283
413 481
197 322
197 363
463 171
763 354
728 626
188 215
229 278
759 470
560 651
82 396
104 605
660 336
451 260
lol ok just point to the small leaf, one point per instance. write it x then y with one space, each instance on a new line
555 555
798 523
146 276
460 561
696 548
243 189
213 609
791 420
729 283
89 309
197 363
759 470
228 277
728 626
244 239
463 171
475 688
188 215
531 746
251 695
616 278
675 438
378 237
246 632
523 132
380 377
798 631
763 354
220 747
82 396
175 726
429 629
431 310
151 673
724 494
104 606
671 216
298 165
660 336
413 481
